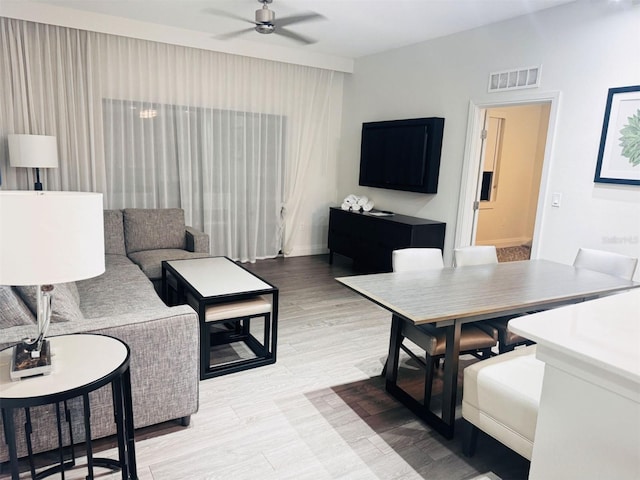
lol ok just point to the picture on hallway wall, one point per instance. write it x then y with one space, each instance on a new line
619 154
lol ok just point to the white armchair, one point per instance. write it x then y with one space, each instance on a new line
501 397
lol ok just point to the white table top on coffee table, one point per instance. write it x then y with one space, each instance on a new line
216 276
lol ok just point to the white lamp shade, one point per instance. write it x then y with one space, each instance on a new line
50 237
34 151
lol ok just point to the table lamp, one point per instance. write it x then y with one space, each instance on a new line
33 151
47 238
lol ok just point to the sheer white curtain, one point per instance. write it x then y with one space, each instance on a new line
50 86
230 139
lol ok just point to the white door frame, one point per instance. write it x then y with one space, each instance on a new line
471 165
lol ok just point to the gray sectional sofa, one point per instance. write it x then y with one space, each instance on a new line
153 235
122 303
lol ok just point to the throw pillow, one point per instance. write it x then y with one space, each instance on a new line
13 311
64 308
153 229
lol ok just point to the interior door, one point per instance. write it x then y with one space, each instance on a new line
468 220
510 175
476 203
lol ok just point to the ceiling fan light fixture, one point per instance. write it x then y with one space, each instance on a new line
265 28
264 15
265 23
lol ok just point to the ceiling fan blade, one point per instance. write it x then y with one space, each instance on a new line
222 13
230 35
304 17
294 36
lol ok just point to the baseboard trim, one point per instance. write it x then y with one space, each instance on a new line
308 250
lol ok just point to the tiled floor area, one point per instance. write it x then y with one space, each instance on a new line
320 412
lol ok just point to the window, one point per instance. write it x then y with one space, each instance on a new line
223 167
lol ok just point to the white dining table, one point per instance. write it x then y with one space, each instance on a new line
451 297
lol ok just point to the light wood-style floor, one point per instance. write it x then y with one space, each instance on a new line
321 412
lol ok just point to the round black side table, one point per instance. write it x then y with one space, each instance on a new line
81 363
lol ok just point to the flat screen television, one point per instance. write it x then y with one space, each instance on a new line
402 154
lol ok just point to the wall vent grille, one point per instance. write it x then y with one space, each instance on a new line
526 77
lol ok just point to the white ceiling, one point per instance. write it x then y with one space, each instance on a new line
352 28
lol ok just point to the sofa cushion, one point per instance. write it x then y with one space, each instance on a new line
119 290
150 261
152 229
111 261
14 312
114 232
64 306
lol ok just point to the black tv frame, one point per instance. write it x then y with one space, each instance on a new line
429 163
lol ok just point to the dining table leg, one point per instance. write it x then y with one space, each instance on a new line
391 368
443 421
450 387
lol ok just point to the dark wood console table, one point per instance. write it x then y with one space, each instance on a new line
369 239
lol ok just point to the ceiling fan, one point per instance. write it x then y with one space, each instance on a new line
266 23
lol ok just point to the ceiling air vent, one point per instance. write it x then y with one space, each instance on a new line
527 77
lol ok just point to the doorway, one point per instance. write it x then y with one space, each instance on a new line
510 172
504 178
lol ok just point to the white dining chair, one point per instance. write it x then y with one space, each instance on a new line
487 255
429 338
475 255
606 262
408 259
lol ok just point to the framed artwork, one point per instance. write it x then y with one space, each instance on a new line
619 154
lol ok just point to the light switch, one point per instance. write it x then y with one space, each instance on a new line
556 198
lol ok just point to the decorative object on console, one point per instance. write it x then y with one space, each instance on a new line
33 151
355 203
61 240
619 153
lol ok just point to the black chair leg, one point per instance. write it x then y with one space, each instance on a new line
469 439
503 348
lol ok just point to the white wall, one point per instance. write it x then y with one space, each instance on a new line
584 49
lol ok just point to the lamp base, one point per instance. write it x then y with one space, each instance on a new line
24 365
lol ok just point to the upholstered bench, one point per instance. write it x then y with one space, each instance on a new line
501 396
252 307
229 322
